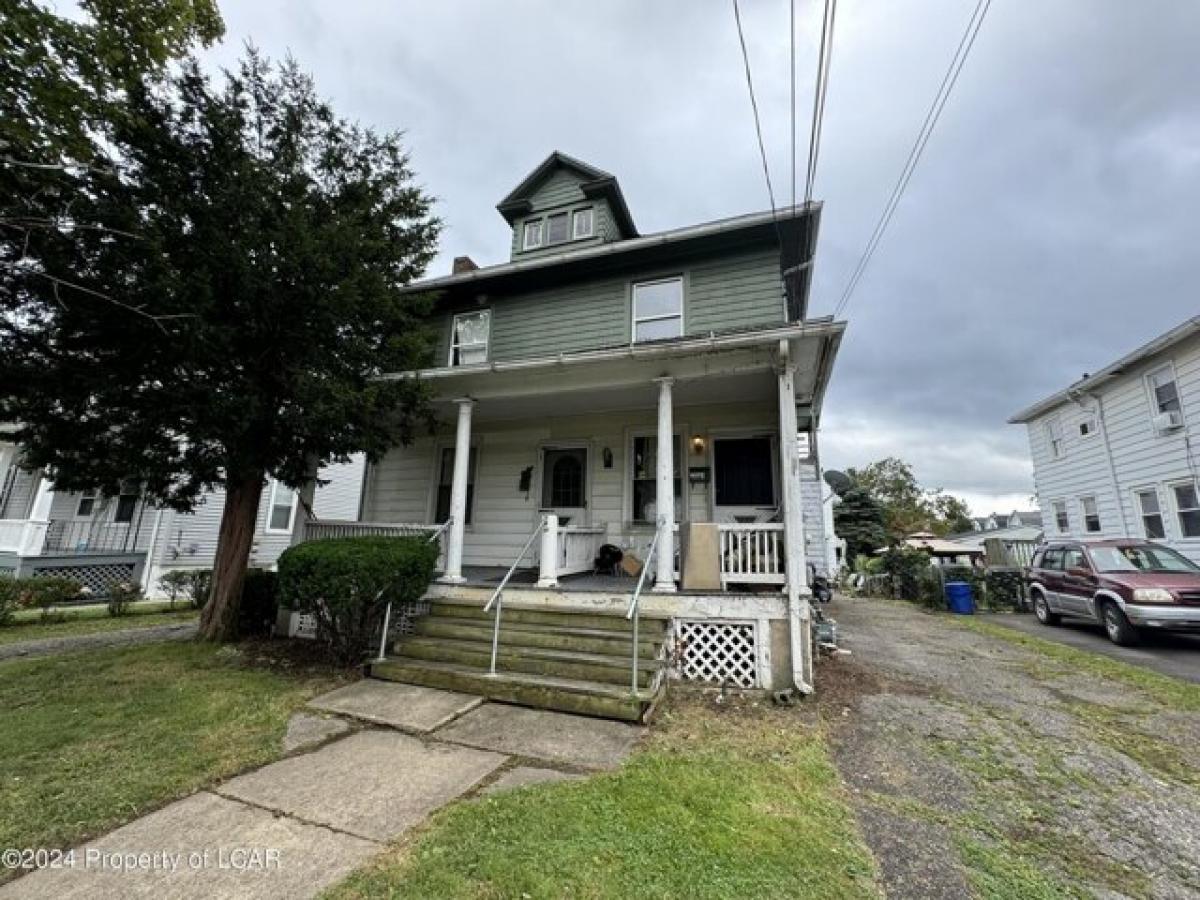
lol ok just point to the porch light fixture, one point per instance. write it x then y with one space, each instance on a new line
698 445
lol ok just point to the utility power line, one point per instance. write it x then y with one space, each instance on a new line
914 155
762 150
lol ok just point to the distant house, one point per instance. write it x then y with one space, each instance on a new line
942 551
1014 519
97 540
1115 454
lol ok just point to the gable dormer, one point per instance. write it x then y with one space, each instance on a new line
565 204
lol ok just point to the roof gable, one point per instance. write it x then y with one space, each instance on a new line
592 182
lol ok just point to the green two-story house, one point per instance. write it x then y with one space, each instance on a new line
564 375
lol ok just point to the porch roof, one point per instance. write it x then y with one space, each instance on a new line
728 367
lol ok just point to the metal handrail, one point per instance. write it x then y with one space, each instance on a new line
387 613
632 612
497 597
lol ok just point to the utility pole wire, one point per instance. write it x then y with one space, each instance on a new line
914 156
762 150
792 84
820 90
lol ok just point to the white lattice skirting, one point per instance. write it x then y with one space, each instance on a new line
718 653
94 576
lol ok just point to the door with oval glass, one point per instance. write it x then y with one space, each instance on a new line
565 484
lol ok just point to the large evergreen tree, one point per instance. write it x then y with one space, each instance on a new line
218 302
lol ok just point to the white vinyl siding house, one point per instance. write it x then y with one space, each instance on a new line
1141 470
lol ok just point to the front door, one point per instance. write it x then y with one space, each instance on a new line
744 482
564 484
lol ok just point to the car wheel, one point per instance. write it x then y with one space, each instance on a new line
1118 628
1041 609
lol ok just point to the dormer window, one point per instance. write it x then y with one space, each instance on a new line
533 234
582 224
469 338
556 228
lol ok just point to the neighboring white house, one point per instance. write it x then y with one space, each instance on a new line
98 539
1117 454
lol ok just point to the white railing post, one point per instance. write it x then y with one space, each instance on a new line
548 555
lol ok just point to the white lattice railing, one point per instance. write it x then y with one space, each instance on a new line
319 529
752 553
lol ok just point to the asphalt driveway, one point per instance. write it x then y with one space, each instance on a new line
1177 655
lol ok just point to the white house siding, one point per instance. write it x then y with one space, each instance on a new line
402 487
1142 457
20 495
340 498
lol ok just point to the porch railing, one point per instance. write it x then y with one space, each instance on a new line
319 529
566 551
634 611
64 536
497 599
435 534
752 553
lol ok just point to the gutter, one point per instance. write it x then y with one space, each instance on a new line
1112 466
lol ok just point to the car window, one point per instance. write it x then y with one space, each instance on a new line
1073 558
1141 558
1052 559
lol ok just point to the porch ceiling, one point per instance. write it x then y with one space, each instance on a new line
706 370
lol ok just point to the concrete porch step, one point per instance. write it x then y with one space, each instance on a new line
650 626
562 663
532 634
587 698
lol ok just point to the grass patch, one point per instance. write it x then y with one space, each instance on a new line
96 611
34 629
720 803
999 873
90 741
1172 693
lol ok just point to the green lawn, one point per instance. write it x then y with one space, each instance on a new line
721 803
96 611
31 628
89 741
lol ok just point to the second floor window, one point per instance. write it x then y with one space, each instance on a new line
1054 438
469 338
658 309
87 503
282 507
126 506
1061 520
1091 514
1187 505
1163 390
1152 520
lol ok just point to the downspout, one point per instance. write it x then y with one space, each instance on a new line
152 550
799 614
1112 466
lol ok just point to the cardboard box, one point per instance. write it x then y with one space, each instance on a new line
631 565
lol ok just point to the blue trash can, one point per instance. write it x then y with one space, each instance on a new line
959 598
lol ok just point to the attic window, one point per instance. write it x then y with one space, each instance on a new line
533 234
582 223
556 228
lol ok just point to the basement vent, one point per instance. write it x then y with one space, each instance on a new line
724 653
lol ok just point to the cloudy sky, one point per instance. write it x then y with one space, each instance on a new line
1051 227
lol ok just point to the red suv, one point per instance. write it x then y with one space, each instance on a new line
1125 585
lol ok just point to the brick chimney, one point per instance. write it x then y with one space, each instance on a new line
463 264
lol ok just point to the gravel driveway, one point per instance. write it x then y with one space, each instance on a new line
981 767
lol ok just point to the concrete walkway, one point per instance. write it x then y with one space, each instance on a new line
373 760
126 637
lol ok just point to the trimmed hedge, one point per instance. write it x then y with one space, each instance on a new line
348 582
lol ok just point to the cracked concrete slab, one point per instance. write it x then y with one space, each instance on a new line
373 784
219 850
408 707
541 734
304 730
523 776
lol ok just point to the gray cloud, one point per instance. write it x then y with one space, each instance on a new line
1050 227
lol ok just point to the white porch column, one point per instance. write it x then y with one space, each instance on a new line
452 573
800 615
665 490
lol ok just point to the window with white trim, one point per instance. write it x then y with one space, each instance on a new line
1091 514
1164 393
126 506
583 223
281 510
557 228
1153 526
445 484
533 235
469 334
644 476
1187 508
87 504
658 309
1061 520
1054 438
1087 426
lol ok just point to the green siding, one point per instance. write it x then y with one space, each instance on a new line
561 192
731 291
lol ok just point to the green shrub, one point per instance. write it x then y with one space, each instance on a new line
8 599
193 584
45 591
260 603
347 583
119 594
909 569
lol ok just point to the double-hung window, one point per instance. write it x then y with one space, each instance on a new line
87 504
1054 438
126 506
1151 513
557 228
469 338
1163 390
582 223
1061 520
1187 507
533 235
445 484
282 509
658 309
644 472
1091 514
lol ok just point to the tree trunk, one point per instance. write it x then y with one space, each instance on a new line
219 620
